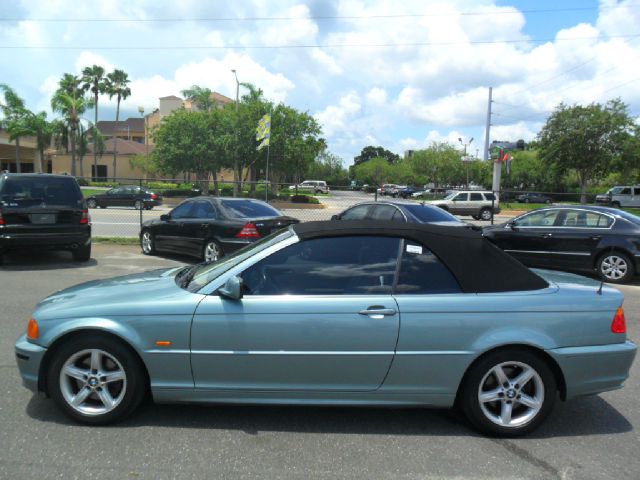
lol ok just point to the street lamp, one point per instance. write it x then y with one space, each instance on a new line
146 143
464 157
236 177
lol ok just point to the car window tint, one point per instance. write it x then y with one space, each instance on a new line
358 265
398 216
461 197
489 196
383 212
182 211
113 191
545 218
355 213
50 191
426 213
475 197
249 209
625 191
203 209
421 272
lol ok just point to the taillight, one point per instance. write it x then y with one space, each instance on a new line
248 231
619 324
154 196
1 219
85 217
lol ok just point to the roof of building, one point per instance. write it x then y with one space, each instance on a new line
170 97
125 147
477 264
218 97
122 127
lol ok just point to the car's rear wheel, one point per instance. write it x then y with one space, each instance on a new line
96 380
82 254
615 204
137 205
212 251
526 200
508 392
547 201
147 243
91 203
615 267
485 214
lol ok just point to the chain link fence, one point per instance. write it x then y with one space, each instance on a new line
119 207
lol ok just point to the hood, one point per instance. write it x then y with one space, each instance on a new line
129 295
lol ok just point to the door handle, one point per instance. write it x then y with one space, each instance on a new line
547 235
596 237
378 312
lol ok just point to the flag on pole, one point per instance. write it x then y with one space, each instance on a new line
263 131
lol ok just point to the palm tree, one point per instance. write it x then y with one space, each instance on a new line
43 131
71 105
200 96
95 81
15 113
118 80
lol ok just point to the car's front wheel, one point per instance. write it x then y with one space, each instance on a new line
615 267
96 380
147 243
138 205
485 214
508 392
92 203
212 252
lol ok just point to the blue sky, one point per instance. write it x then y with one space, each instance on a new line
428 83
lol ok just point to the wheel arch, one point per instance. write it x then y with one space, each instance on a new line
96 332
612 249
539 352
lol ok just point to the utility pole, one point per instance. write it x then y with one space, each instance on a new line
497 166
465 160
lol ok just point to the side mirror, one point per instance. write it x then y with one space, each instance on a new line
232 288
511 225
165 217
335 217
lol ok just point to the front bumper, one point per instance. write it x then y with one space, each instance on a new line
594 369
29 356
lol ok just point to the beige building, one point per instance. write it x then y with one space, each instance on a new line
28 153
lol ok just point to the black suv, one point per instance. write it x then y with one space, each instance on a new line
45 212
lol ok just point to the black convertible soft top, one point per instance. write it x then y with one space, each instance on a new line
478 265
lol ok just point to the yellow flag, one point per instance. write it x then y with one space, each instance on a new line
264 128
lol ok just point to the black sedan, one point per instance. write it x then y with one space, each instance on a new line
575 238
126 196
533 197
211 227
400 211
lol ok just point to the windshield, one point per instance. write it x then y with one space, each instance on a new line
44 191
249 209
451 195
428 214
207 272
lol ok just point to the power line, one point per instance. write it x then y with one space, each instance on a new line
318 17
327 45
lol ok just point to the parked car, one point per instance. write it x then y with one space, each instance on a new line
400 212
621 196
532 197
311 316
43 211
479 205
574 238
211 227
387 189
402 191
126 196
315 186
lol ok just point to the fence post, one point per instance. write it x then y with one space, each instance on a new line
493 206
142 202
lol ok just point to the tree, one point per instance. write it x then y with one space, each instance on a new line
15 118
370 152
43 131
588 140
375 171
118 80
440 164
329 167
95 81
200 96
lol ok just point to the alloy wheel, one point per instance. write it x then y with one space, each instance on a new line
137 205
614 267
212 252
485 214
147 242
93 382
511 394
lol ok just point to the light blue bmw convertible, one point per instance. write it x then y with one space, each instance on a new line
335 313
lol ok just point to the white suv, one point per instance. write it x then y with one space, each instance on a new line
315 186
480 205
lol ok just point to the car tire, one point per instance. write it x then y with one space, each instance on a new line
615 267
147 243
476 217
82 253
496 408
526 200
91 203
95 379
486 214
137 205
212 251
615 204
548 201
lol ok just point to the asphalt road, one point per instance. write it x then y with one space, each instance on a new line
590 438
125 221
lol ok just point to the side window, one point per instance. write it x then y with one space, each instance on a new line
595 220
461 197
422 273
383 212
398 216
545 218
114 191
203 209
356 213
476 197
625 191
182 211
327 266
489 196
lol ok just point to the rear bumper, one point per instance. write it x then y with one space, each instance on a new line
55 239
594 369
29 356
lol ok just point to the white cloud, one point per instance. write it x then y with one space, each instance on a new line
377 96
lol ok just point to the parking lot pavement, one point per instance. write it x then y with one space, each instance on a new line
590 438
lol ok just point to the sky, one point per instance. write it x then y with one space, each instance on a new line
372 72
